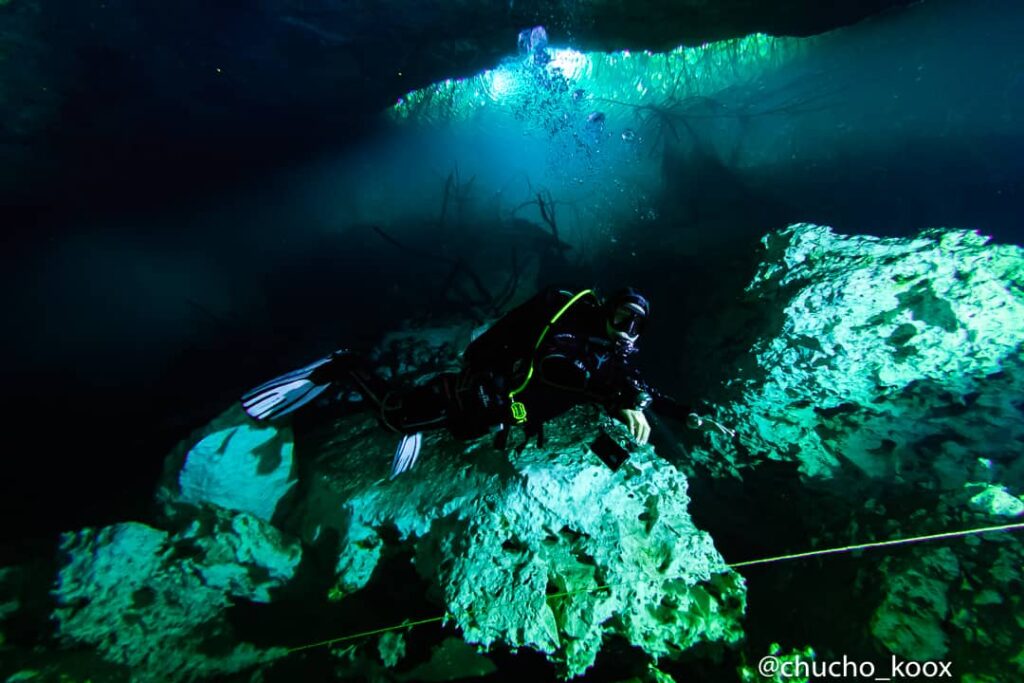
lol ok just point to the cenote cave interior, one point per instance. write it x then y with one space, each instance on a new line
381 340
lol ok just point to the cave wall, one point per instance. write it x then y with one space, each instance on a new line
122 101
152 315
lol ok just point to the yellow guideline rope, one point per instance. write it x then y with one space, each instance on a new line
880 544
410 624
747 563
365 634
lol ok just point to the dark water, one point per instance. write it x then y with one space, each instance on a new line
140 304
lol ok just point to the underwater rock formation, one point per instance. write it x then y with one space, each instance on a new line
893 361
996 500
909 622
890 371
953 602
237 466
546 549
155 601
886 357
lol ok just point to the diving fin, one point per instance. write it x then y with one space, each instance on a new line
405 456
285 394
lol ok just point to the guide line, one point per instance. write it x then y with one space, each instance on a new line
733 565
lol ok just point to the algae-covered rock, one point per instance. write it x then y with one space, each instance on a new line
155 601
545 548
898 359
241 555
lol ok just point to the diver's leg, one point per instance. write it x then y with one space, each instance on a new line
354 371
299 390
420 408
467 404
478 405
406 411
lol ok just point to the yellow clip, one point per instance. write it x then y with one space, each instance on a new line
518 412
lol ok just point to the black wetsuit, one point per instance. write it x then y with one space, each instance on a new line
575 363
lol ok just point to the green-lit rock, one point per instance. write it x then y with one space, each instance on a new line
546 548
541 548
941 600
234 464
997 501
909 622
391 647
452 660
889 371
155 601
900 359
8 599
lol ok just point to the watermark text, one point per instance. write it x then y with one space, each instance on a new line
895 669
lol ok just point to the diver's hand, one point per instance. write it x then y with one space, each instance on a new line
637 423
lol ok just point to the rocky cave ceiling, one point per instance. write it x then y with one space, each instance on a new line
134 99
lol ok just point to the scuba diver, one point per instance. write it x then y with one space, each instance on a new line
556 351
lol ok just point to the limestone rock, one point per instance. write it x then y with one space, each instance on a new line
391 647
452 660
241 555
155 601
546 548
910 620
885 357
939 601
234 463
996 500
890 370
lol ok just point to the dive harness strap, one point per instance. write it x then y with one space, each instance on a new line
518 408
